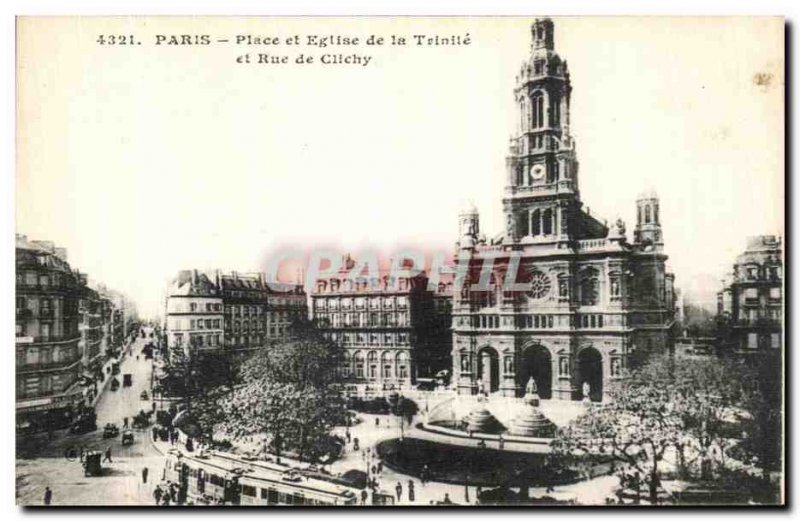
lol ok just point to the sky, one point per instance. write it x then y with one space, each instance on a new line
143 160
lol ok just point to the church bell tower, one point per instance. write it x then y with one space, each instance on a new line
541 195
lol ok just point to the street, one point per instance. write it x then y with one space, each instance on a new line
53 463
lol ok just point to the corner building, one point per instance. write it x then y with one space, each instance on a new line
595 303
752 302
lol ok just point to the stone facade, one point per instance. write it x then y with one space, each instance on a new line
64 330
751 304
236 311
594 304
393 331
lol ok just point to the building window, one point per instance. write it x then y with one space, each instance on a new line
647 214
547 222
193 307
537 118
535 223
589 288
775 340
372 363
775 293
751 294
752 340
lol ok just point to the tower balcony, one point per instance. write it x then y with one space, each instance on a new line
563 186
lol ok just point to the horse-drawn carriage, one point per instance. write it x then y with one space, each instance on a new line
91 463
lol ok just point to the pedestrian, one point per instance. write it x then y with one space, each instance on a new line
399 490
166 500
48 495
157 493
374 469
144 475
364 497
154 405
380 467
377 421
347 435
125 422
155 433
446 500
108 455
410 490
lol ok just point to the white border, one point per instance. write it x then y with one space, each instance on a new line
787 8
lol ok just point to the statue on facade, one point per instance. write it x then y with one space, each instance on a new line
587 389
615 364
620 227
510 233
564 366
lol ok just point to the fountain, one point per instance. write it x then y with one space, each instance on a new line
530 422
480 419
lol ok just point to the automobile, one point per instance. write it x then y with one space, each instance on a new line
127 437
144 396
110 431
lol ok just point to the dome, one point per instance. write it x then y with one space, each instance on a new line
647 194
469 209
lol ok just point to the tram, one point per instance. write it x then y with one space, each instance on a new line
220 478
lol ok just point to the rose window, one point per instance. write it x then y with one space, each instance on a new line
540 285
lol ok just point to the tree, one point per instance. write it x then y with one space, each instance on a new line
689 404
289 393
201 379
762 403
636 427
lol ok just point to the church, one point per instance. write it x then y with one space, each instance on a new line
594 304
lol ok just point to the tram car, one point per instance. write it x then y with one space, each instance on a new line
219 478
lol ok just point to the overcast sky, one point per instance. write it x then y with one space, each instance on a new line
143 160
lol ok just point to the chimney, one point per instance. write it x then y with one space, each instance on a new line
194 277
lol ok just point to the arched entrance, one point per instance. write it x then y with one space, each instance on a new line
590 369
488 369
536 363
